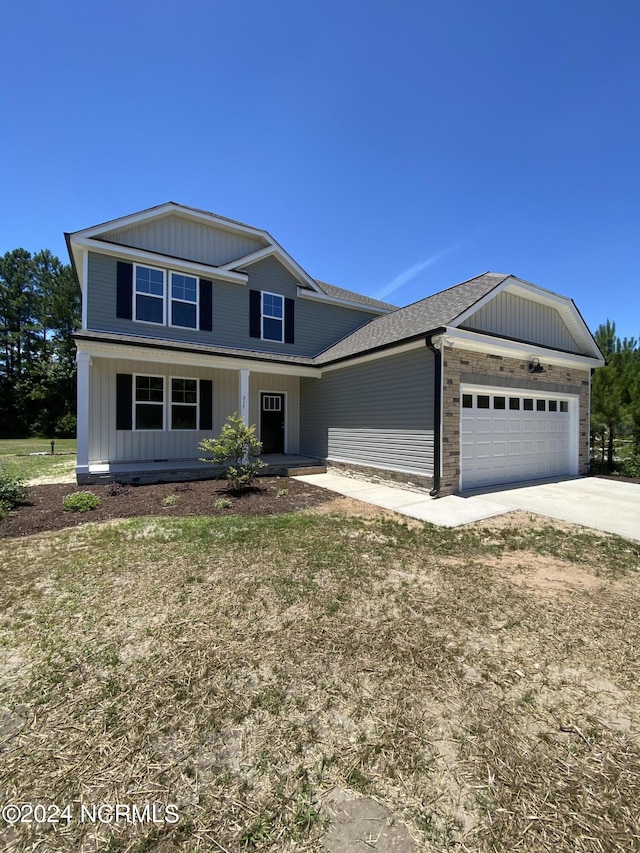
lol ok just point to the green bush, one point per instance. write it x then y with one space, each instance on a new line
236 448
627 467
12 491
170 500
223 503
81 502
66 426
630 467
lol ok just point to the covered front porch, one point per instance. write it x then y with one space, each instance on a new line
142 412
186 470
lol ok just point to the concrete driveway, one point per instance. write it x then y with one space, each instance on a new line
608 505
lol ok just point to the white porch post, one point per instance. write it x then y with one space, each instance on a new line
83 362
243 408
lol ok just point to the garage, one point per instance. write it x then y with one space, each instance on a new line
509 435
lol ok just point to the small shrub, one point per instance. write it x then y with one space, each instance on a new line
183 487
282 493
80 502
236 448
170 500
12 491
223 503
117 490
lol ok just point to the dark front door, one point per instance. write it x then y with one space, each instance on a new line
272 422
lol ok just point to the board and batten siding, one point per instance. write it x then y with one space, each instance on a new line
110 445
317 325
523 319
182 237
378 414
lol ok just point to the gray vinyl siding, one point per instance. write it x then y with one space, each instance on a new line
379 413
317 325
185 238
516 317
110 445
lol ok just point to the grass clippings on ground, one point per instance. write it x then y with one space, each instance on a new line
242 668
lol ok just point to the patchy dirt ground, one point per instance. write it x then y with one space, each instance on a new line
341 681
270 496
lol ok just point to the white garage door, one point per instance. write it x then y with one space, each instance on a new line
508 435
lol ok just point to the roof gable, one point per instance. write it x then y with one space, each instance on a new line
183 237
191 236
518 310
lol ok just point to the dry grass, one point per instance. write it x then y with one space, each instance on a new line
243 668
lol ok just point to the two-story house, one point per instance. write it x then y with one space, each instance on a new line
188 317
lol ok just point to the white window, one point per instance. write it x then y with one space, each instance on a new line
272 317
184 403
149 295
184 301
148 402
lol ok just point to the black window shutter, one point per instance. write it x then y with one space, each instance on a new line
206 404
289 321
255 309
206 305
124 291
124 400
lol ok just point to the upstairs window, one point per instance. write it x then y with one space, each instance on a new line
149 294
184 301
272 317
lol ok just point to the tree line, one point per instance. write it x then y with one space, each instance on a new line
39 311
615 401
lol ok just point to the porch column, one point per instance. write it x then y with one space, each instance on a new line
83 362
243 408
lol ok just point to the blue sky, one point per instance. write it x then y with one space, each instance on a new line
394 148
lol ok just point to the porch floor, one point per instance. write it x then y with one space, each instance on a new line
182 470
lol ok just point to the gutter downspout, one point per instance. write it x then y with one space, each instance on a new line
437 412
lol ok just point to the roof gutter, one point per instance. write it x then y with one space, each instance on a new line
437 410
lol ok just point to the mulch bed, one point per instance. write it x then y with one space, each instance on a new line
44 510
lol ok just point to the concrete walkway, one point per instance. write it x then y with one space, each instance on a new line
607 505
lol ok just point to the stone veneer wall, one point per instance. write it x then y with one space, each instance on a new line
462 366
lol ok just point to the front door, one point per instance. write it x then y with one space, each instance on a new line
272 422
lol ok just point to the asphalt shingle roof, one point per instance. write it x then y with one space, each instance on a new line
341 293
413 320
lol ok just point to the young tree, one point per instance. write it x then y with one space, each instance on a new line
237 448
614 389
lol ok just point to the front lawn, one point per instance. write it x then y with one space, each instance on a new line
481 684
31 459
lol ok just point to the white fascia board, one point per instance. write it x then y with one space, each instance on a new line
141 255
477 342
348 303
166 209
278 252
374 356
100 349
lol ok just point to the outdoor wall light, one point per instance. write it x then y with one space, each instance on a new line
535 366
